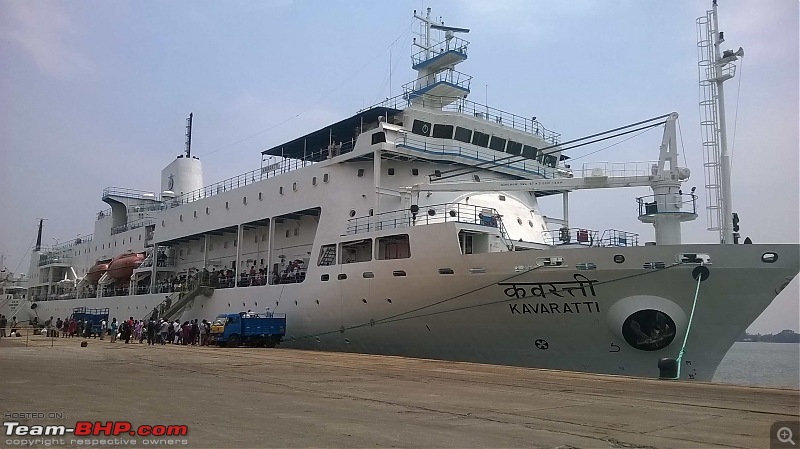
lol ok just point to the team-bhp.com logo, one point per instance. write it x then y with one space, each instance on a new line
94 429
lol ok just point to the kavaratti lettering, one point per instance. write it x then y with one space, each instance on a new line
554 308
542 289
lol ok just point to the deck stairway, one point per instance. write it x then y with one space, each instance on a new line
177 302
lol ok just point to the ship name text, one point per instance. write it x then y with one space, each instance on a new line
542 289
541 308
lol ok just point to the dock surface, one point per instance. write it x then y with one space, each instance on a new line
257 397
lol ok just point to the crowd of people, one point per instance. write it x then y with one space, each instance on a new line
153 331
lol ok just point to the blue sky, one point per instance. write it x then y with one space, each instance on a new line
95 94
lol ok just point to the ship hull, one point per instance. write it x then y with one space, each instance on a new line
506 308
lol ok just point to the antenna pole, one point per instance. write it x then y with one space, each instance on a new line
39 236
725 158
189 135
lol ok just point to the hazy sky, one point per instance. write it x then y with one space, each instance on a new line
95 94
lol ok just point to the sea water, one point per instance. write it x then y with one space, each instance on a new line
761 364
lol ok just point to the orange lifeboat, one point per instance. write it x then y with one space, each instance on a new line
121 267
96 272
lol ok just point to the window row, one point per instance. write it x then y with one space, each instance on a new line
388 248
484 140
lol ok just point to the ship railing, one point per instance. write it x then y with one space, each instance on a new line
664 203
615 237
53 259
461 105
449 76
479 154
128 193
572 236
104 213
132 225
72 243
437 213
619 169
453 44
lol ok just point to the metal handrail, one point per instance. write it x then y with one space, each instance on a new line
450 76
456 44
650 204
128 193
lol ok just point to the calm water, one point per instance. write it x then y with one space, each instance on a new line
761 364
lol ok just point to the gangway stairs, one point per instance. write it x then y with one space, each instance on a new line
179 301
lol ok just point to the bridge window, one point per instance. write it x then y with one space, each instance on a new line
421 128
480 139
463 134
498 144
443 131
514 147
529 151
378 137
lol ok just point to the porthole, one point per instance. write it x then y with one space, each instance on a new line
391 172
294 186
431 212
280 190
530 223
260 196
314 181
347 340
502 197
180 218
446 271
256 303
287 233
324 277
206 211
769 257
364 300
352 213
389 300
195 214
519 221
619 258
296 232
342 276
371 212
476 178
414 171
325 177
452 212
295 302
648 330
244 200
368 275
360 172
227 206
318 302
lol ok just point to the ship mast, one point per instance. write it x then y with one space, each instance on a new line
716 67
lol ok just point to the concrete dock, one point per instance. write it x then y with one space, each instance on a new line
256 397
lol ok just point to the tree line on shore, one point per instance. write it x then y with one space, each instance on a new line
784 336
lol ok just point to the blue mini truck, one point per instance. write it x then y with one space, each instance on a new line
233 329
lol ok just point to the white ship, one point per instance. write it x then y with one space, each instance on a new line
413 228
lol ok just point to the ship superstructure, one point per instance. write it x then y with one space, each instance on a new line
413 228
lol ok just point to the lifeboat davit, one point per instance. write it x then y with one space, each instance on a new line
96 272
121 267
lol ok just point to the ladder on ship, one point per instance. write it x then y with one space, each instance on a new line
327 257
